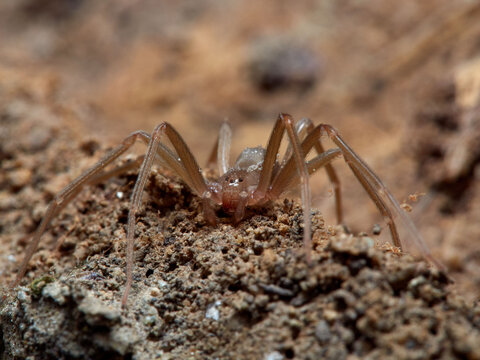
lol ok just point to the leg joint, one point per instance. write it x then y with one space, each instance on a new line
286 118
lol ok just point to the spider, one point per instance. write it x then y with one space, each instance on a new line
256 178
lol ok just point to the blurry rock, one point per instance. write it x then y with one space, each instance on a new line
277 64
97 313
467 83
51 9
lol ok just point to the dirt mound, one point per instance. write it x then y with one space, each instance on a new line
239 292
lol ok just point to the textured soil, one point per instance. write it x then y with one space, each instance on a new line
401 84
239 292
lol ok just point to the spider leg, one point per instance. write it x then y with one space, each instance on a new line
331 173
301 130
224 144
99 178
290 178
381 196
298 155
223 149
374 187
68 193
381 205
105 175
269 161
193 176
164 155
188 170
220 153
285 123
283 178
305 125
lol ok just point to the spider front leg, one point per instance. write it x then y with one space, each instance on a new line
381 196
263 192
220 153
68 193
188 170
331 173
303 128
284 178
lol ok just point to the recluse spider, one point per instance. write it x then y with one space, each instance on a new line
256 178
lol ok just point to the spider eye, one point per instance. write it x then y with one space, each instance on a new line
240 179
231 181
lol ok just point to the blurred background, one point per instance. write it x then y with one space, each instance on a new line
399 80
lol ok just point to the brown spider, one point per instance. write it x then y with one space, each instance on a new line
256 178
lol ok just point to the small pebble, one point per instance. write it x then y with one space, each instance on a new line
277 63
274 355
322 332
212 311
56 292
377 229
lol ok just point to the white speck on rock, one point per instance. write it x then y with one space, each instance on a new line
98 313
212 311
122 339
120 194
11 258
56 292
22 295
274 355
